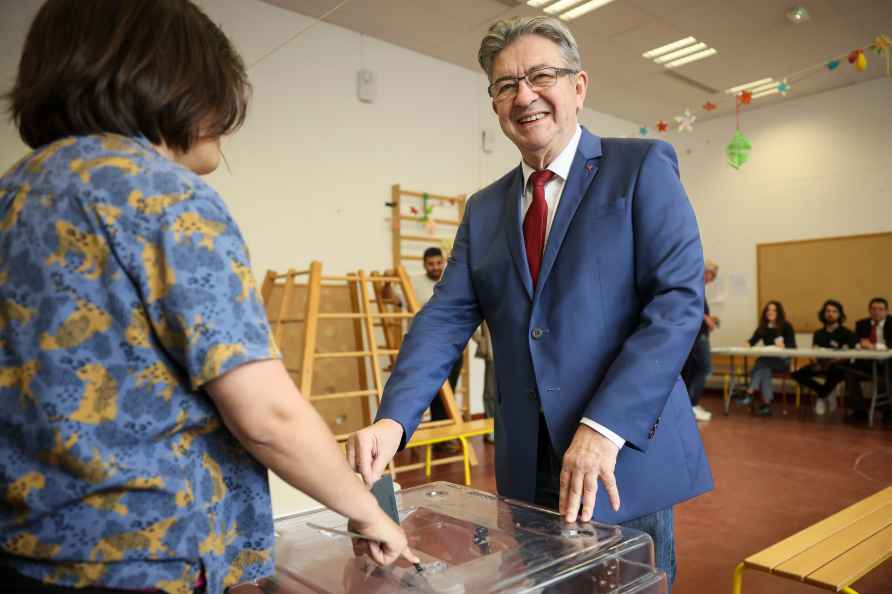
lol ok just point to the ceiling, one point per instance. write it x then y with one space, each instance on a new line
753 38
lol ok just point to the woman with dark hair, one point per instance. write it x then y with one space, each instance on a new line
142 397
833 335
773 331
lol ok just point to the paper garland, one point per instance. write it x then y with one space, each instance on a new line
686 121
882 46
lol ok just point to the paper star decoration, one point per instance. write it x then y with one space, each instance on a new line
881 45
881 42
662 126
783 87
745 97
832 64
686 121
642 130
709 106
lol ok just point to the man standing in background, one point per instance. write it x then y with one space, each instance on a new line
699 364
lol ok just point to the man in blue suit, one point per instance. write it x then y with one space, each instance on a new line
585 261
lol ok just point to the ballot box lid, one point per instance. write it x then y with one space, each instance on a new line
468 541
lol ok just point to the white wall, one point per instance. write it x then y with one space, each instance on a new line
820 166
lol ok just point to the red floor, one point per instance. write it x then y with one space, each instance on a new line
773 477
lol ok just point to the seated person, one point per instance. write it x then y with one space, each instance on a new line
832 336
873 333
773 330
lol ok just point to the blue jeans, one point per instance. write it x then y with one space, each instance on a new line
659 525
761 375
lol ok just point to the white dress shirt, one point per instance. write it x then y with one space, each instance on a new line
553 190
881 336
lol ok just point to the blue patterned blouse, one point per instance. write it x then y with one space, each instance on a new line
125 286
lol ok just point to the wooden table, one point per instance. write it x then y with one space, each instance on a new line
876 357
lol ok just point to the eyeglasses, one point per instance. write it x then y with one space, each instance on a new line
537 79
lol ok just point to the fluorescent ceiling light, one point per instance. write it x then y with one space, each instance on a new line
764 93
749 85
561 6
692 58
681 53
538 3
584 9
760 88
668 47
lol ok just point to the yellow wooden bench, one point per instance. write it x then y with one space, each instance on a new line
430 436
834 553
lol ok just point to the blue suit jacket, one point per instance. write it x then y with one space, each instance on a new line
604 335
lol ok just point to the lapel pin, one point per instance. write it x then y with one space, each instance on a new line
588 167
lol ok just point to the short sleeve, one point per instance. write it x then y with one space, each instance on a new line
191 267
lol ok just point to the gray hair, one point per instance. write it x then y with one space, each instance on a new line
504 33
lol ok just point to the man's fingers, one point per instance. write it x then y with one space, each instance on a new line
609 480
378 466
589 492
565 491
351 451
364 461
574 496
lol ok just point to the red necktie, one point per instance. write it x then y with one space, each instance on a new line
535 222
873 332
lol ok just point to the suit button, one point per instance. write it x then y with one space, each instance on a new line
537 333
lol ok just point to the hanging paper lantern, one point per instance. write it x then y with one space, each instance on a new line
662 126
858 59
709 106
643 130
686 121
783 87
744 97
832 64
738 151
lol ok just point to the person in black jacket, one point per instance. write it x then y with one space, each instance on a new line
874 333
773 330
832 336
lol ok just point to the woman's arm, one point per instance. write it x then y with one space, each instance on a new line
264 410
757 335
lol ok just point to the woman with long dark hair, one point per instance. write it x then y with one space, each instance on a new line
142 397
773 331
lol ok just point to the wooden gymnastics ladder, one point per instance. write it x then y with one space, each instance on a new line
404 246
364 290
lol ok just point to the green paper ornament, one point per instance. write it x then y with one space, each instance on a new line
738 150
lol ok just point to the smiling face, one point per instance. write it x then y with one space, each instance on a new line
539 123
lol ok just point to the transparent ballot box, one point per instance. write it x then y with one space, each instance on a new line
468 542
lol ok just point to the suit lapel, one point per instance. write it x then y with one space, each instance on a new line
582 172
514 231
